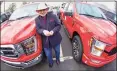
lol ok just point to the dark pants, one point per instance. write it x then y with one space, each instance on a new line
48 52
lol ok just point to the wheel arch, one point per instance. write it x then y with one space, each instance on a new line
76 33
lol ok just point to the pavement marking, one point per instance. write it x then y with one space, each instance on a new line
68 57
61 54
64 58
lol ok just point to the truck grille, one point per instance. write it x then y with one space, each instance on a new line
8 51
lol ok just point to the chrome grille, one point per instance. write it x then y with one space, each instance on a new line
8 51
16 50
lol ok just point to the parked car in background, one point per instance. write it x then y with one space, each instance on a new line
63 9
112 16
56 11
93 36
63 5
109 13
4 16
20 44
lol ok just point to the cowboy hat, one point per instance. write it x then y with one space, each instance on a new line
42 6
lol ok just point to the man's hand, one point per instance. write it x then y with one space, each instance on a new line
51 33
46 33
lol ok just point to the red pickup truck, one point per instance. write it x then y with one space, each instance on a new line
93 36
20 45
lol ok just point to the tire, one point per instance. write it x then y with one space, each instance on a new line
77 48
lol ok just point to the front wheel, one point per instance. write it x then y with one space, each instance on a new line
77 48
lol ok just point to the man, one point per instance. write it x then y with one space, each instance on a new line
48 26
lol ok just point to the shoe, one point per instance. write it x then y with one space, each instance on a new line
57 62
51 65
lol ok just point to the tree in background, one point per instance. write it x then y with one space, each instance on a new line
11 8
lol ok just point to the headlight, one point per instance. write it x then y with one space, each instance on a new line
19 49
29 45
97 47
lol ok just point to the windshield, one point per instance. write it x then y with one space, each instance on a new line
25 11
86 9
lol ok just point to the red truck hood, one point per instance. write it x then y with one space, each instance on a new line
102 29
13 32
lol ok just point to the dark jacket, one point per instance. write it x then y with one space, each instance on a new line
51 23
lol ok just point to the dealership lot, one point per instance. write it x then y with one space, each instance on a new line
67 61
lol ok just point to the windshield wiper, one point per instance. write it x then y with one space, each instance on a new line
102 18
21 17
18 18
11 20
93 16
87 15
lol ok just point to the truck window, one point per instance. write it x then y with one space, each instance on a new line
70 8
66 6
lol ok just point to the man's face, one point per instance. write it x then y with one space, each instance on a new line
42 12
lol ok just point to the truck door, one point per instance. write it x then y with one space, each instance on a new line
68 20
62 11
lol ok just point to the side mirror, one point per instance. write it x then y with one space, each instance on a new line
69 14
4 17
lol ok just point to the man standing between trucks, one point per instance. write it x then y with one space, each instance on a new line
48 26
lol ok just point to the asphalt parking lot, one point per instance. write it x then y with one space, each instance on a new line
67 61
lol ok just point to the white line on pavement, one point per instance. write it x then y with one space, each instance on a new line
61 54
64 58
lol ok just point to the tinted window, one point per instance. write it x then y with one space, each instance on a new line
104 11
110 15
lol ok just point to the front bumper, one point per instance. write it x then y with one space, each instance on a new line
24 64
96 61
